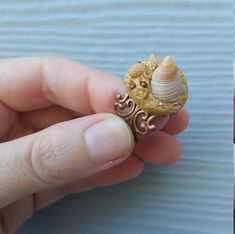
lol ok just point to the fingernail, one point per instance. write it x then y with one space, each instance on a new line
109 140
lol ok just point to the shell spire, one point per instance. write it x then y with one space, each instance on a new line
166 85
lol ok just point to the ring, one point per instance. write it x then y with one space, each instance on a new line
155 88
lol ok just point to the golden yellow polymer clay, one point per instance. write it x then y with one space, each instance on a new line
157 86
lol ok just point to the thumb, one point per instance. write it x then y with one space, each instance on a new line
62 153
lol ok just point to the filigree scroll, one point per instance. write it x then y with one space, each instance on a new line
138 120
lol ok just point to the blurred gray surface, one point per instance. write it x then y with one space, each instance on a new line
193 196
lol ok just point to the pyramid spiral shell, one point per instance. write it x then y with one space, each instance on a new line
165 84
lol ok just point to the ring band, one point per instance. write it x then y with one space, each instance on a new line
138 119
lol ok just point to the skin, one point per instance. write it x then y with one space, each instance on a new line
46 105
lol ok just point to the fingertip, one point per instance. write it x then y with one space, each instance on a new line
177 122
175 156
137 166
159 148
126 170
131 168
161 122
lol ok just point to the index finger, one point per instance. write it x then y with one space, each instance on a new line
27 84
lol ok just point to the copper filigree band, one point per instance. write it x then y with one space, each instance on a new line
138 120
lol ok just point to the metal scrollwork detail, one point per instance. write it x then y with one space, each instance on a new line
138 119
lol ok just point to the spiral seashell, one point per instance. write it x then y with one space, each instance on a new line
165 84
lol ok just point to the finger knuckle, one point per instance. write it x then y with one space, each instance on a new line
44 159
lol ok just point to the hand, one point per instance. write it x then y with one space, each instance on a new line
57 138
